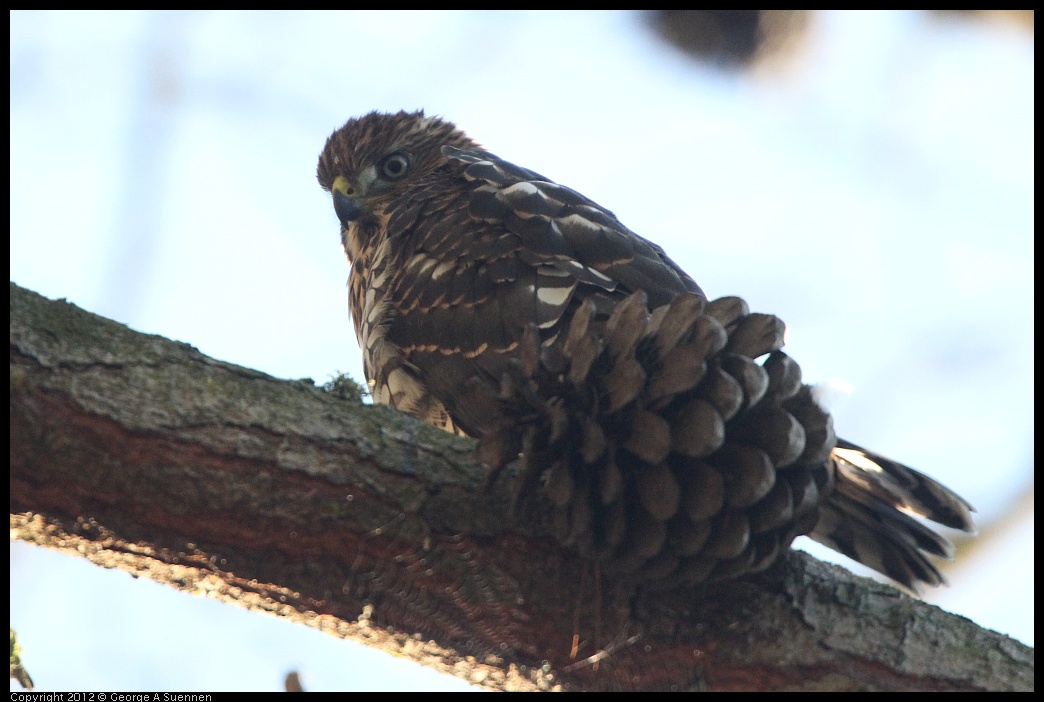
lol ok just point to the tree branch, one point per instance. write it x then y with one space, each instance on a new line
142 454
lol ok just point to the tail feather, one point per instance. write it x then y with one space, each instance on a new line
871 516
841 529
913 491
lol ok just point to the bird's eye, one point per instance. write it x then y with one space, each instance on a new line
394 166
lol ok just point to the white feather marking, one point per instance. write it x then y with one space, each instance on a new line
381 394
523 188
579 221
375 312
857 459
579 269
419 263
442 269
378 280
401 385
554 296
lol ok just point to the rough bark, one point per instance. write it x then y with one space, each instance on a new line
142 454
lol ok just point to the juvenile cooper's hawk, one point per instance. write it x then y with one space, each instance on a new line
493 302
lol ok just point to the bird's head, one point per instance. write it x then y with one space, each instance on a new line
375 158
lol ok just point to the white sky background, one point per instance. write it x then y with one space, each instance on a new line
875 192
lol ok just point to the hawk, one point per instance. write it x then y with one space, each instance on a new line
671 435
